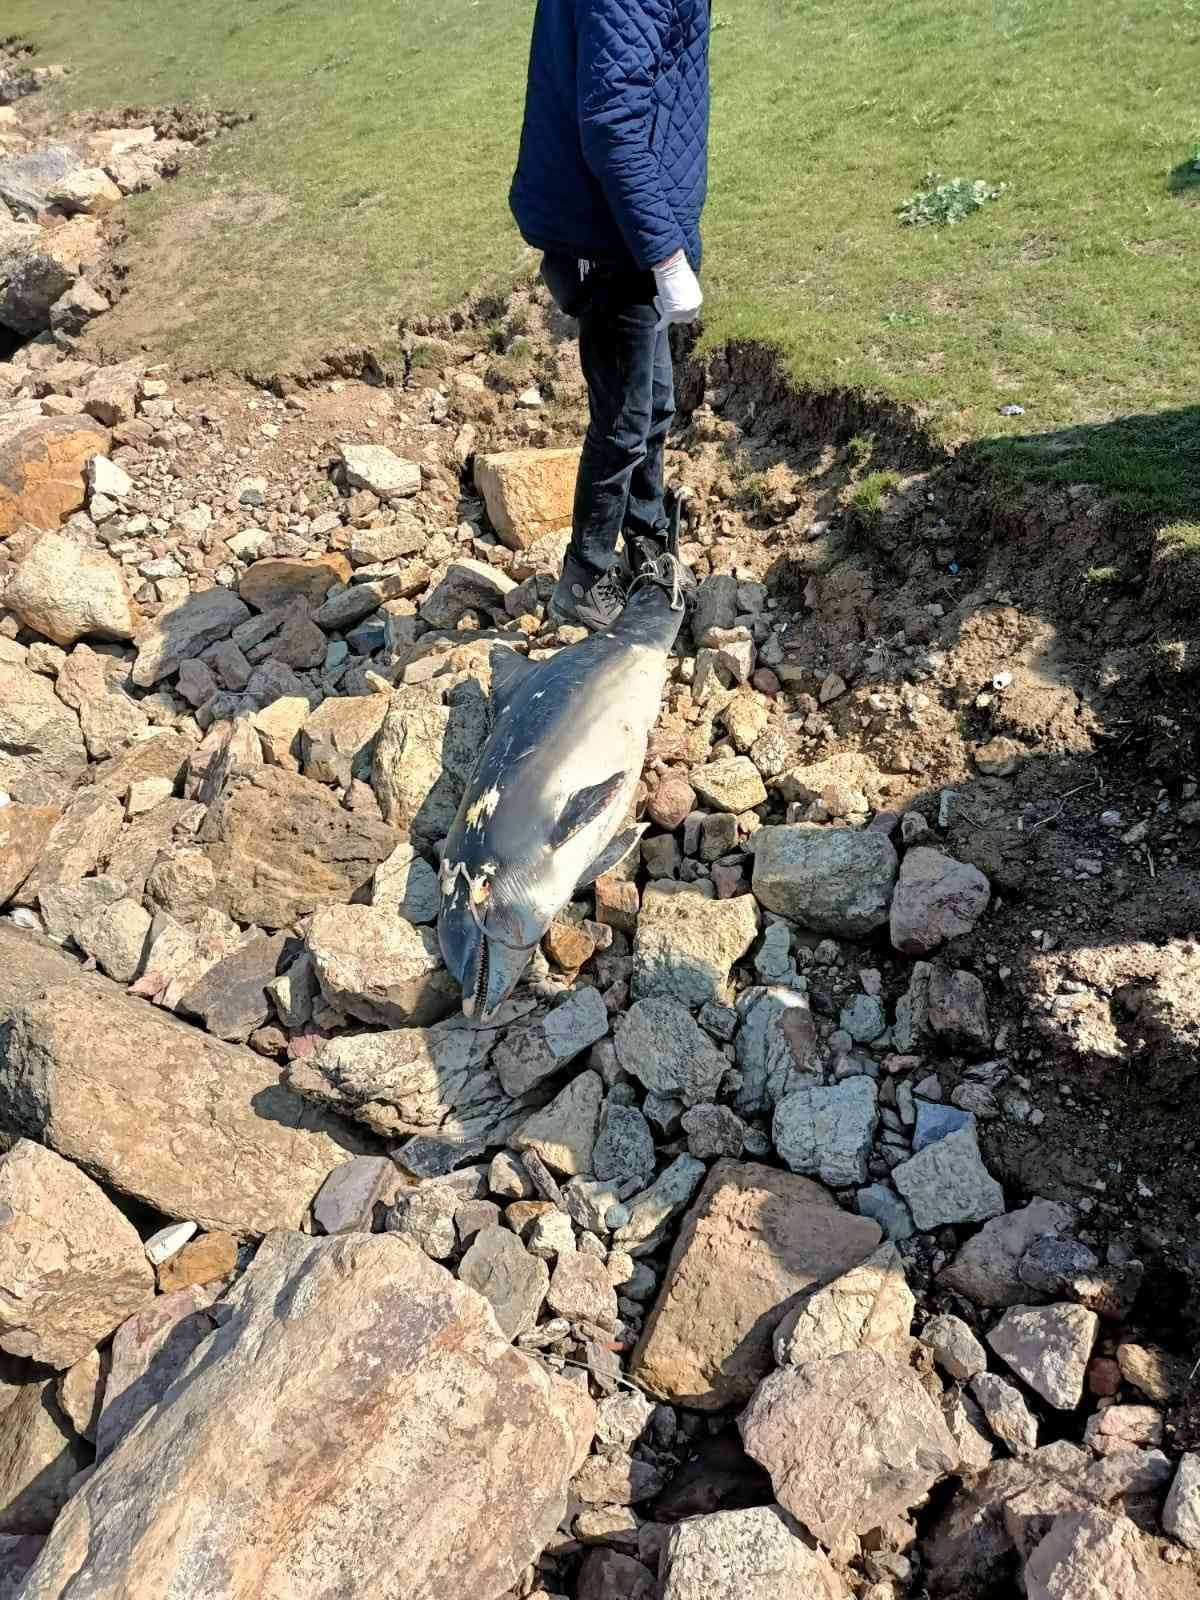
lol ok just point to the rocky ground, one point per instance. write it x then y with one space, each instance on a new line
819 1218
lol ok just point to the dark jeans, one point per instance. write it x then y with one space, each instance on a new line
626 360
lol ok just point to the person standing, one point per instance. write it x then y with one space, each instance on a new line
610 183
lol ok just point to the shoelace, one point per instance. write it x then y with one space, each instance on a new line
666 571
609 591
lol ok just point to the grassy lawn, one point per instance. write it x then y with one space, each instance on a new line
384 135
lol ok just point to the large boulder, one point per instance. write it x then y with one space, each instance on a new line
43 470
71 1266
66 592
528 493
23 833
773 1235
152 1107
849 1441
755 1554
833 880
40 1453
280 846
357 1411
42 753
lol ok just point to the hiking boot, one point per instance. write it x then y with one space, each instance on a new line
587 598
647 551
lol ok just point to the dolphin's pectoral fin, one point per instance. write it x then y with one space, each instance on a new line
509 671
613 854
584 806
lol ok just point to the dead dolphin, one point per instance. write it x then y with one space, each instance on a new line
554 782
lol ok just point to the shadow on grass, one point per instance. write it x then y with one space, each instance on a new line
1185 178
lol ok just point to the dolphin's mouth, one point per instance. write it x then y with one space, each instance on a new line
482 974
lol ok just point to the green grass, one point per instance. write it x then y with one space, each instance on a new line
388 131
868 497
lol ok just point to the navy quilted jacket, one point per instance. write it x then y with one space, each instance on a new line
613 162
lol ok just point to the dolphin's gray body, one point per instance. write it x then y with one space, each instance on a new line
554 782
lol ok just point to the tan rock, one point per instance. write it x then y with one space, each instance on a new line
89 190
23 833
756 1554
81 1392
64 592
40 1453
204 1260
42 471
425 753
1094 1555
375 966
687 943
777 1236
528 493
154 1108
42 753
280 846
870 1307
274 582
849 1442
71 1266
279 1446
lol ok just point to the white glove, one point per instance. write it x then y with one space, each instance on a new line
679 293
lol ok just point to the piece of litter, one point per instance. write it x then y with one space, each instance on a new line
168 1241
1001 680
1012 411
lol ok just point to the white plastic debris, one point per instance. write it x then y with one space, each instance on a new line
169 1241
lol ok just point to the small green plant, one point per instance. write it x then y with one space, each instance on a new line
422 355
1102 575
942 205
859 449
870 496
755 491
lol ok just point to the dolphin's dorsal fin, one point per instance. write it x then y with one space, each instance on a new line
509 671
584 806
613 854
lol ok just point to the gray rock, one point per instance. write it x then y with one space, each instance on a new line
660 1045
538 1049
947 1182
650 1211
1051 1265
716 604
1049 1348
870 1307
756 1554
612 1575
827 1131
231 998
424 755
40 1453
148 1353
347 1200
508 1277
624 1151
883 1204
776 1048
968 1428
713 1131
1009 1418
382 471
564 1132
552 1234
955 1348
986 1269
42 752
912 1010
508 1178
864 1019
466 586
117 937
426 1215
184 630
32 279
733 784
935 1121
411 1081
937 898
687 942
834 880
